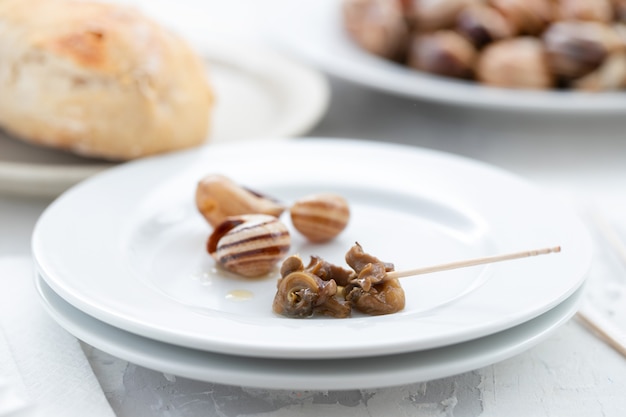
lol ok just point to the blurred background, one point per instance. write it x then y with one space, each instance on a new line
578 152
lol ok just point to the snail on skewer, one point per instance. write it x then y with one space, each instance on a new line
371 286
327 289
371 291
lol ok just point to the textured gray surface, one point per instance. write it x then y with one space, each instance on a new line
172 396
570 374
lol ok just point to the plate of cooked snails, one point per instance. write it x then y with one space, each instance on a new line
565 56
310 249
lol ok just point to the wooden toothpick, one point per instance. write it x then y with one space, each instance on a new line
471 262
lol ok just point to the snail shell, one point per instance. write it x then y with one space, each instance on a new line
444 52
320 217
515 63
218 197
585 10
482 24
249 245
379 26
435 15
575 49
528 17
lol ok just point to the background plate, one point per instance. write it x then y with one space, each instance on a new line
259 94
312 29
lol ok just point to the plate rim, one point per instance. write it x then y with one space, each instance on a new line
196 364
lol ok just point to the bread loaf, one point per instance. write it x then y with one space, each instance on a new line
99 80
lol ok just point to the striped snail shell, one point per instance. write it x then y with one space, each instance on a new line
218 197
320 217
250 245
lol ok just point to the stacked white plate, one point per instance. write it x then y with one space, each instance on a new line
122 265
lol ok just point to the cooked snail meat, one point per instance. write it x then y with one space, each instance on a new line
373 287
301 293
327 271
315 289
371 292
386 297
369 269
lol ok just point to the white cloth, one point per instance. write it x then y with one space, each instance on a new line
43 370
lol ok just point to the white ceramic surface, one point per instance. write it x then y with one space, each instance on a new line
259 94
338 374
313 30
128 247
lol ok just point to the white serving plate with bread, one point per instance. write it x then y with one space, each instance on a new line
95 90
276 97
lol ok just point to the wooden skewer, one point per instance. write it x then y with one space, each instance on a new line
605 329
471 262
601 325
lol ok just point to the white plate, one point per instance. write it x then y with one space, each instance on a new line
338 374
128 247
313 29
259 94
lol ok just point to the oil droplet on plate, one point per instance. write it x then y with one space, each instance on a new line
204 278
239 295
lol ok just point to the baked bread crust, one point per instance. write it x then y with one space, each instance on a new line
100 80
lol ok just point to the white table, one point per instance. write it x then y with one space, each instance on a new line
572 373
